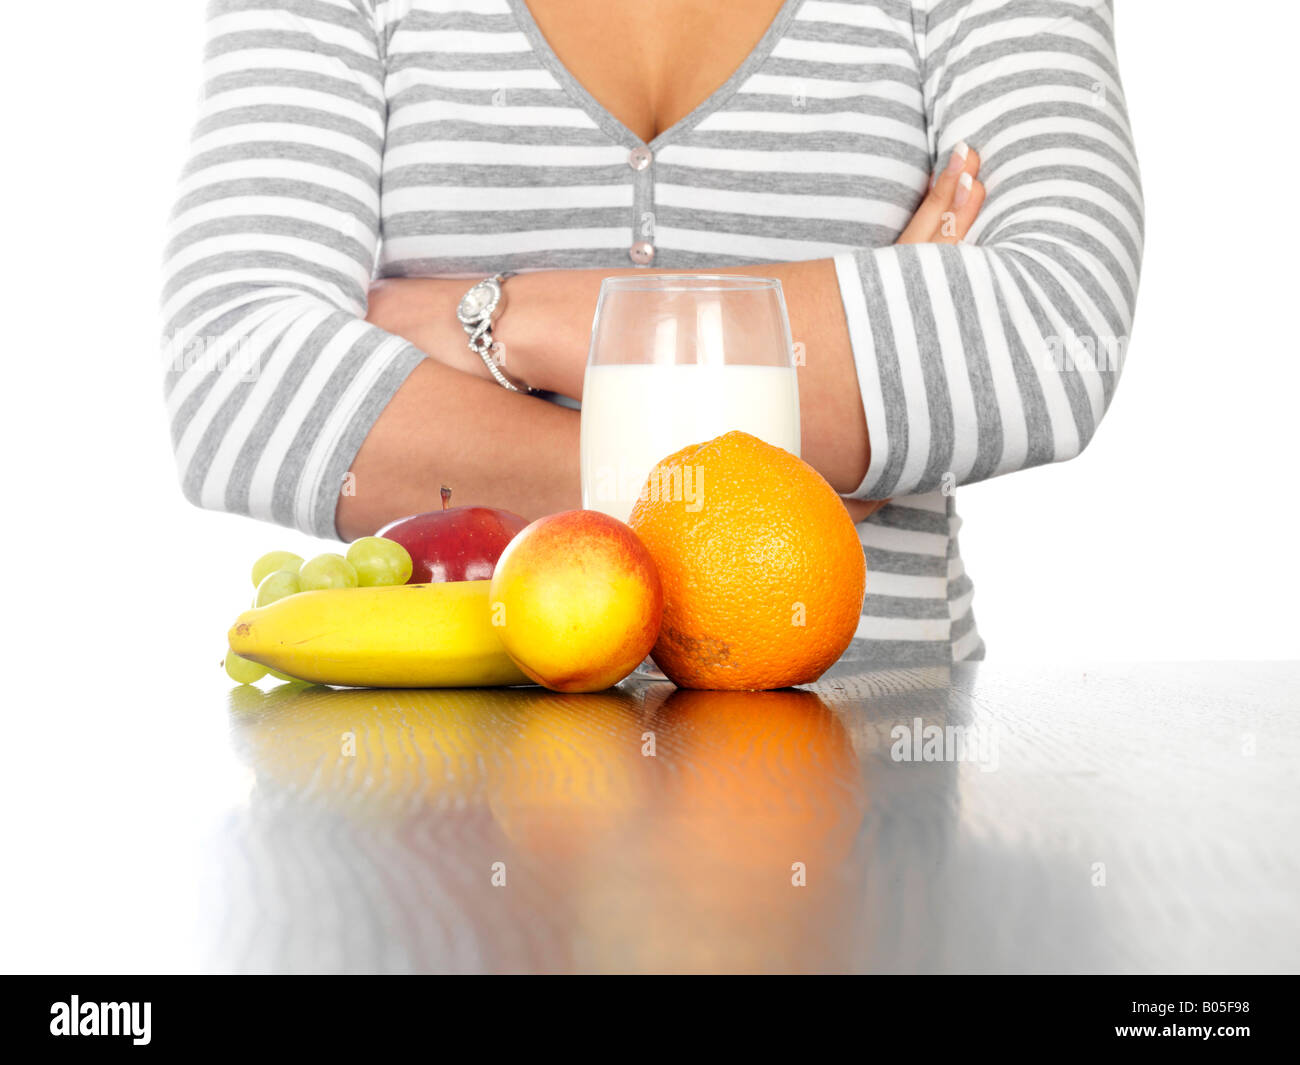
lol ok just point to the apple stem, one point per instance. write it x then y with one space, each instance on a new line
446 496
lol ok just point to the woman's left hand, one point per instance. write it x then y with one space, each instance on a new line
953 203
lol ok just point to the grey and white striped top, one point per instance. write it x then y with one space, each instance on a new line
449 129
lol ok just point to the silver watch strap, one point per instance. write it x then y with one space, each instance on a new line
481 343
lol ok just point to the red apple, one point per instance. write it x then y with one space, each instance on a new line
454 543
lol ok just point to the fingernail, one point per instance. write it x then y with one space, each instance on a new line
962 196
959 154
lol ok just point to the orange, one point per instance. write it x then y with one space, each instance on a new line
761 567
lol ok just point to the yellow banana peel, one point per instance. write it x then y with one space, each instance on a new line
408 636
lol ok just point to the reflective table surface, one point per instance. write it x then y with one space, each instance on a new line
1140 818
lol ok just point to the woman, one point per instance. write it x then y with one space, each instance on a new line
945 336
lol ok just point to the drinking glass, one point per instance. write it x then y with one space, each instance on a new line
679 359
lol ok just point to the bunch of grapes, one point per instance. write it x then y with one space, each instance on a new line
370 562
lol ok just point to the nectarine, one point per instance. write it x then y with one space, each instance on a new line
578 600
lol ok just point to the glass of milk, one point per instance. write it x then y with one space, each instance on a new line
678 359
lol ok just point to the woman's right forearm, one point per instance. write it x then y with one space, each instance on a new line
489 446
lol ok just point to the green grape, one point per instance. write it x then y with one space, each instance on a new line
272 561
379 561
278 675
241 670
275 586
327 571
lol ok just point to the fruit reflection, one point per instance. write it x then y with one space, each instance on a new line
768 778
341 747
758 800
573 779
653 829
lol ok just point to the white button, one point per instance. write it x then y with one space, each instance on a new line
639 158
642 253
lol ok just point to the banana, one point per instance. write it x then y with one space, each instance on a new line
408 636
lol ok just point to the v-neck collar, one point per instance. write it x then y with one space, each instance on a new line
605 118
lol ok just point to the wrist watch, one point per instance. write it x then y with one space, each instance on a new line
476 311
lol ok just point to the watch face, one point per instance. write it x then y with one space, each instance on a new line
477 301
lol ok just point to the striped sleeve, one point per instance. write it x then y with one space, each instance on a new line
273 377
1003 353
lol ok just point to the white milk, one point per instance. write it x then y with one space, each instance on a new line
635 415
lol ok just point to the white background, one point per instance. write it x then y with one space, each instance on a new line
1172 537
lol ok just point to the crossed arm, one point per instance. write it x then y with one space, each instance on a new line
932 362
449 423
